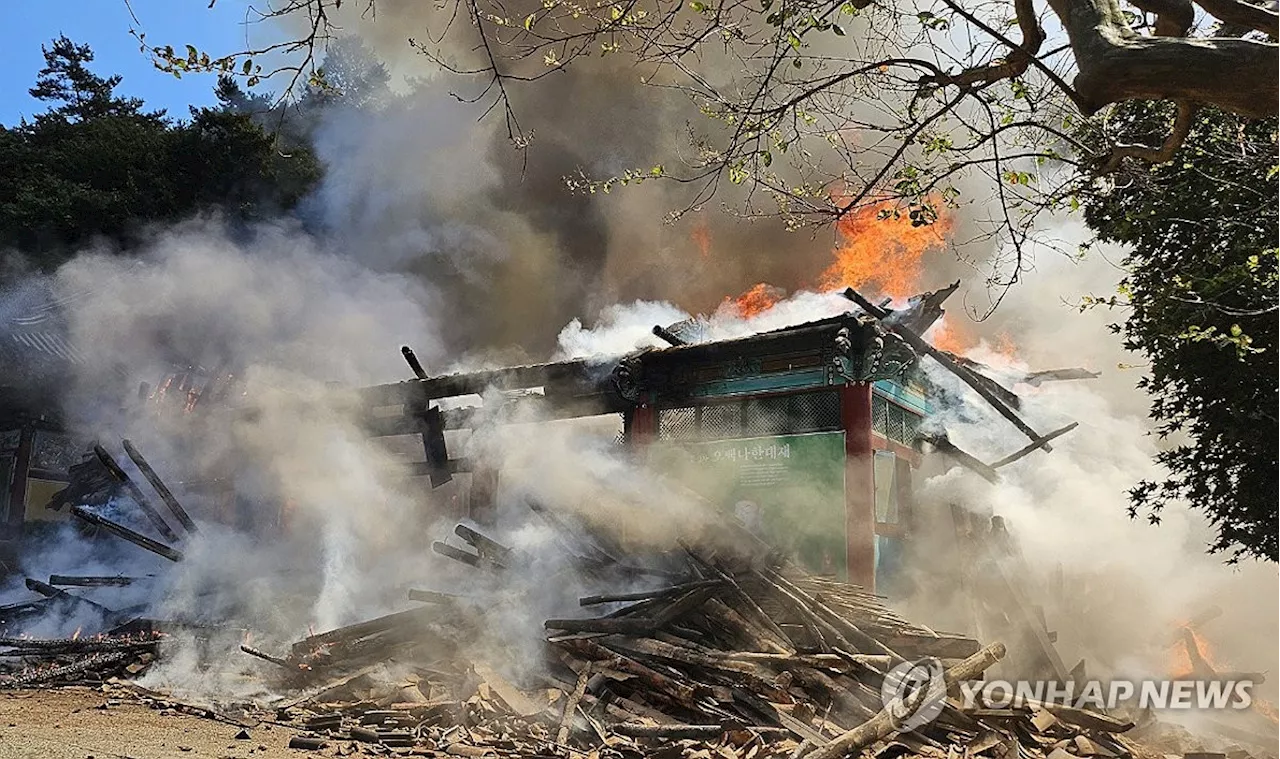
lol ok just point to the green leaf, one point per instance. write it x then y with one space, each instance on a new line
247 67
839 31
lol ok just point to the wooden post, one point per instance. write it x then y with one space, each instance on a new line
859 485
642 425
18 484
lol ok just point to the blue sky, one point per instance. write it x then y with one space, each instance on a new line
105 25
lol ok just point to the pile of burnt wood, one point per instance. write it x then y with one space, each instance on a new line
731 658
32 662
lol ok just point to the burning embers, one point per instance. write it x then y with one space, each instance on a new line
76 659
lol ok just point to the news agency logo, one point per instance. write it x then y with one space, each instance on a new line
1208 694
914 693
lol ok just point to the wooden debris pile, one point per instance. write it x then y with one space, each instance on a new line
30 662
732 659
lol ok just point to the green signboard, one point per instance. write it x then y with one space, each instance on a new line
788 489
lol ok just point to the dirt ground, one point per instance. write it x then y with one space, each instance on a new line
86 723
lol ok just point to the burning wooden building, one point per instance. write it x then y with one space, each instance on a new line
808 434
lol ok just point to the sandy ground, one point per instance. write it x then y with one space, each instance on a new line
85 723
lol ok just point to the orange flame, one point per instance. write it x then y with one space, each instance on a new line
880 247
761 297
1183 665
951 337
76 635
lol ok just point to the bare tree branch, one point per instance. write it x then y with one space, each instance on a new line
1181 127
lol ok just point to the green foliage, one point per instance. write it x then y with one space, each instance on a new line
1201 291
66 79
96 165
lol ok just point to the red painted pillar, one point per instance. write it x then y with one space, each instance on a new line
859 484
642 425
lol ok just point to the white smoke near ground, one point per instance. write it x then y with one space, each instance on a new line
318 535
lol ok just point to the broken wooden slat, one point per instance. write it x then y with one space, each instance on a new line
1035 445
135 493
91 582
161 489
968 460
120 531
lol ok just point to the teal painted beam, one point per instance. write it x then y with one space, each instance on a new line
903 396
813 378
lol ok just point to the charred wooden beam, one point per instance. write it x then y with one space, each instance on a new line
577 377
48 591
400 619
105 662
120 531
56 646
667 336
135 493
612 625
457 554
412 359
1035 379
268 657
925 309
965 374
434 446
430 596
484 545
118 581
976 370
161 489
1035 445
12 612
943 444
646 594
